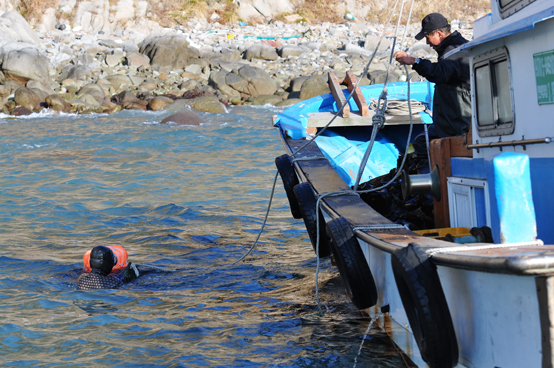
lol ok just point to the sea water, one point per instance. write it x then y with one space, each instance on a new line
186 198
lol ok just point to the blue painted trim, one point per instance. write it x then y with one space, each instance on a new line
542 174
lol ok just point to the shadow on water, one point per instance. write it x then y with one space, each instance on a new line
189 199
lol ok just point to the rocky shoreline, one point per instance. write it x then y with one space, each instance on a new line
209 66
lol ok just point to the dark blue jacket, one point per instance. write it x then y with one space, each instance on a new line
452 99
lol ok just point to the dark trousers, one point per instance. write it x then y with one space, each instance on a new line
420 147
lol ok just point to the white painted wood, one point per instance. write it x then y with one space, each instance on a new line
463 204
495 316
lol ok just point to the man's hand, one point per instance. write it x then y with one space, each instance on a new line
403 58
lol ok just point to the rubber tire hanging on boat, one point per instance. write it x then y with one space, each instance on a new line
290 180
425 305
307 201
352 265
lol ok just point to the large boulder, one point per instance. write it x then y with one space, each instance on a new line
267 99
261 51
93 90
313 86
14 27
218 81
291 50
167 52
259 82
119 81
75 72
135 61
208 104
159 103
22 62
185 117
57 103
27 98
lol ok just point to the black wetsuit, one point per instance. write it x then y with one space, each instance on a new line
89 281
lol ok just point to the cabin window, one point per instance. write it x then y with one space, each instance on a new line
493 93
509 7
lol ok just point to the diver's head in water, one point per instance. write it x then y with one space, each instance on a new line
102 260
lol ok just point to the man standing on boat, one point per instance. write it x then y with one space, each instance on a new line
452 99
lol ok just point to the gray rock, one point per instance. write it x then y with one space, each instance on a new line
296 83
14 27
93 90
208 103
115 57
313 86
189 85
129 46
109 43
57 103
230 55
186 117
379 76
22 62
119 81
33 84
217 80
159 103
42 94
290 50
79 72
194 69
261 51
83 59
137 81
267 99
350 48
4 91
167 52
237 82
27 98
260 83
136 61
371 42
90 100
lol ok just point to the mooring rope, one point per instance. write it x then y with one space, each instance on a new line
378 122
263 224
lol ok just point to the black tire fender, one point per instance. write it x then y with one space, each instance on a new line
290 180
352 265
307 201
425 305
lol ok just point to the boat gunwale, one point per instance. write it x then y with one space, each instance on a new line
538 260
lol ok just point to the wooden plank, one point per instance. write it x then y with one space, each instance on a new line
440 156
358 95
458 145
321 119
340 99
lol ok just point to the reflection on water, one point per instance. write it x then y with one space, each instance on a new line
191 199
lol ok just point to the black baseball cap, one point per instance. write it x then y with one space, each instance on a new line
430 23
